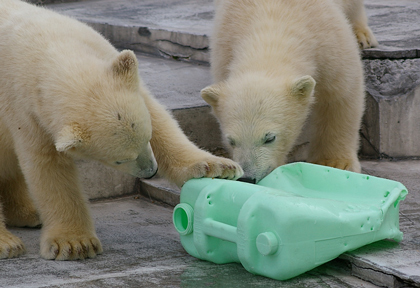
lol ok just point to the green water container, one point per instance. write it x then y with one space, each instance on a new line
298 217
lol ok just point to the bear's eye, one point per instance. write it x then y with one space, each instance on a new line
122 161
231 142
125 161
269 138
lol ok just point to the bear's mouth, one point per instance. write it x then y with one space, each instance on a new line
247 180
153 175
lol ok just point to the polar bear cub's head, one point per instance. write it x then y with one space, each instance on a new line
108 120
260 118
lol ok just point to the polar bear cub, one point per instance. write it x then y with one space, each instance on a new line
277 62
65 92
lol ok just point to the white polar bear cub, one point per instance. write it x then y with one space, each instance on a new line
66 92
266 57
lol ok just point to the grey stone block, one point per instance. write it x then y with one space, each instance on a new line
391 124
200 126
99 181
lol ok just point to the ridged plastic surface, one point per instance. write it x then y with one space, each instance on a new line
298 217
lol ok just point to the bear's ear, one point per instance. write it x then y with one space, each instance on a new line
69 137
211 94
303 86
125 66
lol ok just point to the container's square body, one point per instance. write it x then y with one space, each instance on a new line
298 217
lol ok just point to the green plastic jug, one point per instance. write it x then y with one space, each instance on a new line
298 217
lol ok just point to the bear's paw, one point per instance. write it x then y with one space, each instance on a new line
10 245
71 247
365 37
213 167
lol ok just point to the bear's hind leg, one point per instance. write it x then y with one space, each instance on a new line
10 245
355 12
18 207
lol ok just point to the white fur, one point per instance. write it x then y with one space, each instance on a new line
260 52
65 92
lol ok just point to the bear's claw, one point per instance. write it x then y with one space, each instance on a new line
223 168
73 249
212 167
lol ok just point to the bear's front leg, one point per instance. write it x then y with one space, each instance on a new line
178 158
68 232
336 124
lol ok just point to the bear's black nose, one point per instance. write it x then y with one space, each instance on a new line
247 180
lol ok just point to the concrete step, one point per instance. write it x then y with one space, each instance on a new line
169 28
386 263
179 30
177 84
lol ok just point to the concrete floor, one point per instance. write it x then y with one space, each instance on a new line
142 249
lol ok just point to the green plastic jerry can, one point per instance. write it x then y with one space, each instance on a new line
298 217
